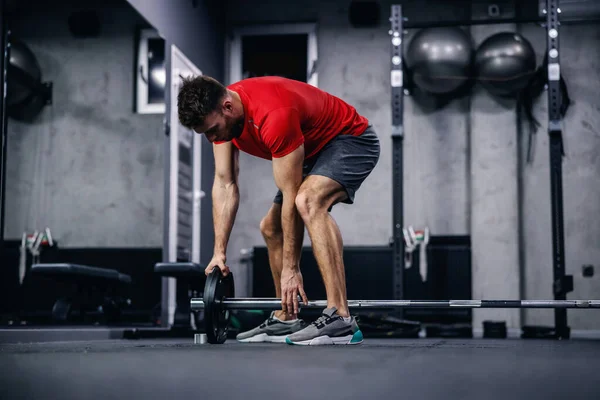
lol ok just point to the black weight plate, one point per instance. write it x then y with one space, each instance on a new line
216 318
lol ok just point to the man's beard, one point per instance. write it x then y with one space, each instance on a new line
236 129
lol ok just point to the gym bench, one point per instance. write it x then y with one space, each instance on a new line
95 289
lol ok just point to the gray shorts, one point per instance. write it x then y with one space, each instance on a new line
346 159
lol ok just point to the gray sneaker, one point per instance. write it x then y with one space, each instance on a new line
271 331
329 328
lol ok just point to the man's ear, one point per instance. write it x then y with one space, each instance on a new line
227 105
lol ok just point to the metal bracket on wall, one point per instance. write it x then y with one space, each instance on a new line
167 127
48 92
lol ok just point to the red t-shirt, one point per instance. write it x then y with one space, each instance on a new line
281 114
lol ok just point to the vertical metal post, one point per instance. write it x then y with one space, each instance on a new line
562 284
397 83
4 60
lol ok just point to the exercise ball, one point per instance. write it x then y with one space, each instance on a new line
504 63
440 59
22 64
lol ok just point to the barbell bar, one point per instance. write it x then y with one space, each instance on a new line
250 303
219 298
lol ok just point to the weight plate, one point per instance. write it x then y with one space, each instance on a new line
216 318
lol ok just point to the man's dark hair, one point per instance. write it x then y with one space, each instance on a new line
198 97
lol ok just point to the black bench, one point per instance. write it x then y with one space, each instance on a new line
79 273
180 270
93 288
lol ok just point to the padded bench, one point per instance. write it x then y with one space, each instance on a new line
95 287
179 269
79 272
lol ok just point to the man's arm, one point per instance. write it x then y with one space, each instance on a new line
287 171
281 132
225 197
288 177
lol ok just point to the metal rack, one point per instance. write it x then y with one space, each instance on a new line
562 283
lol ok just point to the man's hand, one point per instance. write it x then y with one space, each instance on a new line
217 261
292 285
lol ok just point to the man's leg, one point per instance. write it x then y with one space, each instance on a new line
335 325
270 228
275 329
340 169
317 194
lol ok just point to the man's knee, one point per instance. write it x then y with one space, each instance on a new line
270 229
309 203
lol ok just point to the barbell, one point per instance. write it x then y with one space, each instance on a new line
219 299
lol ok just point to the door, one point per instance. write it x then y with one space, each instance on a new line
184 192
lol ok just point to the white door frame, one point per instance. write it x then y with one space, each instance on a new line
234 72
181 135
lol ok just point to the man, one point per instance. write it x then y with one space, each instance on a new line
321 150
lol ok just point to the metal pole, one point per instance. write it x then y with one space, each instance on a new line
275 304
4 60
562 284
397 89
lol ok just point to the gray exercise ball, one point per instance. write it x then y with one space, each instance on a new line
22 62
440 59
505 63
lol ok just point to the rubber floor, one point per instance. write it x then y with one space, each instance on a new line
379 368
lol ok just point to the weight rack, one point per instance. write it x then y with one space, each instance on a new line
562 283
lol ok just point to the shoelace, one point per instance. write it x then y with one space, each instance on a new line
322 319
269 321
266 323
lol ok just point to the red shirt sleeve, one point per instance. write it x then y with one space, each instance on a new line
281 132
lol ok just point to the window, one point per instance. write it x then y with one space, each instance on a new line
150 73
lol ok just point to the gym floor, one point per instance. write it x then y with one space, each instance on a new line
399 368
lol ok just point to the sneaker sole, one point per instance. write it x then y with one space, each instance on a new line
357 338
263 338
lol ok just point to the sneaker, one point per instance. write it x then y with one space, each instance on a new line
272 330
329 328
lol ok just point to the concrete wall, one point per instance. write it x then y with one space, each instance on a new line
494 226
464 168
580 61
88 167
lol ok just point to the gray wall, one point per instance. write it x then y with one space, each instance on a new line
88 167
464 169
580 52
